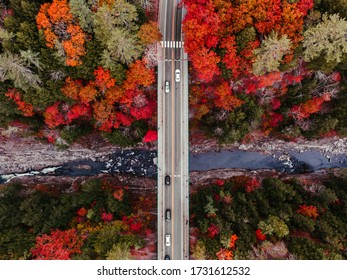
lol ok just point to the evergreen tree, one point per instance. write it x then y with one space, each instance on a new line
333 7
121 46
244 37
20 69
270 53
115 29
327 40
80 9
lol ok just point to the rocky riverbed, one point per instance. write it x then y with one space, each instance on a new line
21 153
92 155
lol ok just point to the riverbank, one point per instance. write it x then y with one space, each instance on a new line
199 179
147 186
326 146
21 153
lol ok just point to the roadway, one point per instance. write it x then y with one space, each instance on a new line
172 136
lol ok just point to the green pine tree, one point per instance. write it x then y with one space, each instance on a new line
327 41
20 69
81 11
115 28
270 53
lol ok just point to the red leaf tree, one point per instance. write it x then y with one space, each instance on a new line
259 234
53 116
58 245
111 106
151 135
212 231
25 108
251 184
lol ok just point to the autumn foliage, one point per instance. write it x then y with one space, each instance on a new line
212 30
58 245
221 37
149 33
110 105
151 135
224 98
139 75
82 212
225 254
212 231
106 217
251 184
133 222
233 239
53 116
25 108
259 234
62 114
311 106
308 211
59 25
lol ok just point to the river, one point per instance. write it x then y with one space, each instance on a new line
143 163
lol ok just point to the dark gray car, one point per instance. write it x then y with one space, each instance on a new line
167 180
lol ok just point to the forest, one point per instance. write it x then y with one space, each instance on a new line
242 217
247 217
267 68
68 68
87 220
258 69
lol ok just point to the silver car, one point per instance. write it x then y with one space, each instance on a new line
167 86
168 240
177 75
168 215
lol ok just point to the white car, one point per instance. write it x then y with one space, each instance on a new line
168 240
177 75
167 86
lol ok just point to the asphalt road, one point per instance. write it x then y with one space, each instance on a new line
172 136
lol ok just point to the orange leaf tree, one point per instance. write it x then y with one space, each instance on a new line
149 33
308 211
60 27
139 75
224 254
311 106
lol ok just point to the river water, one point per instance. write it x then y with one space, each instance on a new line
143 163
